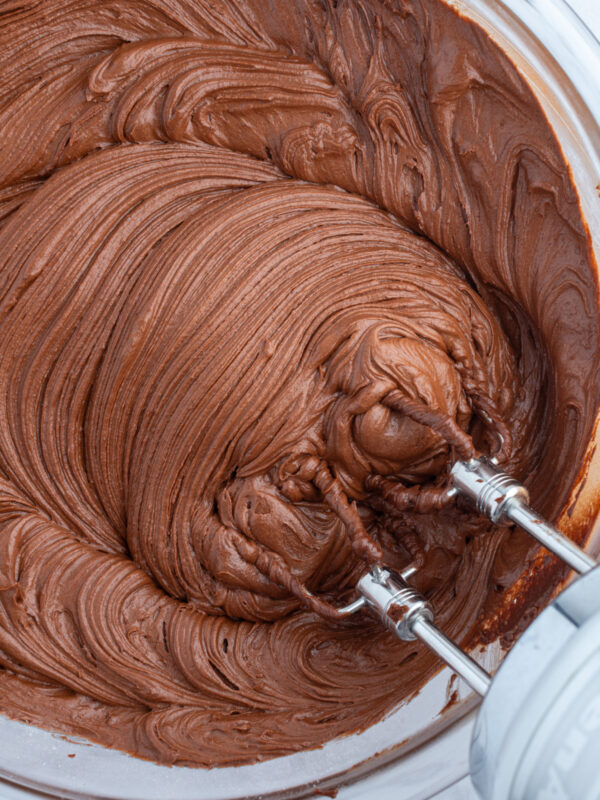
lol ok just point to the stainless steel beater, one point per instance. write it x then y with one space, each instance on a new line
537 735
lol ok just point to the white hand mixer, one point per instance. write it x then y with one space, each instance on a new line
537 733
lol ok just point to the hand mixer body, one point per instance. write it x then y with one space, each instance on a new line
537 734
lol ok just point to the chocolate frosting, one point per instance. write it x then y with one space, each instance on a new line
265 271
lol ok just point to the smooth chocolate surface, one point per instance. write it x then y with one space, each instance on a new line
266 269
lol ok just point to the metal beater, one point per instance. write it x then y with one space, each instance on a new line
537 734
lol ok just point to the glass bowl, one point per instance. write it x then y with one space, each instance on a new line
422 745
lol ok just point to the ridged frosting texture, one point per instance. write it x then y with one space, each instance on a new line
264 273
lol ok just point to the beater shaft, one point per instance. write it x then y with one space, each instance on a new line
501 498
468 669
409 615
525 517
